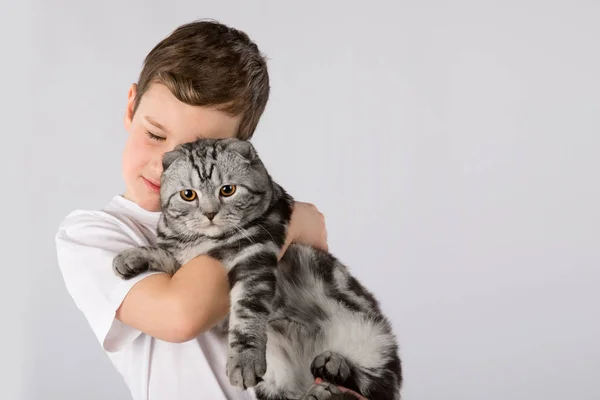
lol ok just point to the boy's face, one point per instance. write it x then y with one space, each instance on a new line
160 123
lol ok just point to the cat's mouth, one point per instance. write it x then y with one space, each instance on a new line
212 227
214 231
217 229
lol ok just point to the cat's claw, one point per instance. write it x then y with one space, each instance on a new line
245 368
331 367
130 263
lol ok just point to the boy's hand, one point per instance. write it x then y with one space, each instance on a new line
307 226
344 390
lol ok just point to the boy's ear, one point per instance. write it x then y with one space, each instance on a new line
243 147
130 103
171 156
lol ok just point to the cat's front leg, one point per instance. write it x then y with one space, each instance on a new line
136 260
253 289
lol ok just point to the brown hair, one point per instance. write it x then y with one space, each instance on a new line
206 63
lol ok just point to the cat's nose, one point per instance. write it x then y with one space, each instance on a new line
210 215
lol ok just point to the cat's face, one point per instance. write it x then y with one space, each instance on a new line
213 187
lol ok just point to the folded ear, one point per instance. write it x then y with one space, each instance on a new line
171 156
243 147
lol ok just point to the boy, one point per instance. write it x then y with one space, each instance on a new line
204 80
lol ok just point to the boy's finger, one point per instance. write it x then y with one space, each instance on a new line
343 389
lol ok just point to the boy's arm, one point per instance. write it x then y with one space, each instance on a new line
196 297
178 308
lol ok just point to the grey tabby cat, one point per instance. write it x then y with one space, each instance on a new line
290 322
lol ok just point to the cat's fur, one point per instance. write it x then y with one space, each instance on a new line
291 321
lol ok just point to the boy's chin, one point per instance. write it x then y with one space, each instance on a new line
148 203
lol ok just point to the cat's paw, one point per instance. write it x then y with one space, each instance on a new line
246 367
323 391
331 367
130 263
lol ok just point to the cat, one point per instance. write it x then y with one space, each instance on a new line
291 321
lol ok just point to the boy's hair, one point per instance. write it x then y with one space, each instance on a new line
206 63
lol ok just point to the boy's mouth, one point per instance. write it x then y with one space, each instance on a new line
153 186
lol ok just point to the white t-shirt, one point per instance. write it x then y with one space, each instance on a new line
87 242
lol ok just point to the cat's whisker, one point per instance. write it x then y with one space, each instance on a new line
266 230
244 233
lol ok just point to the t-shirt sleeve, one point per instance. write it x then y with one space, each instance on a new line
86 246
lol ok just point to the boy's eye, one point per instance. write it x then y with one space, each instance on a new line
227 190
154 137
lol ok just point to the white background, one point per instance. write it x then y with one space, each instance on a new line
452 146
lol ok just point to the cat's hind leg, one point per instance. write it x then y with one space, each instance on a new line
331 367
358 351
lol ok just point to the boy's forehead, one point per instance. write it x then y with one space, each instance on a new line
159 107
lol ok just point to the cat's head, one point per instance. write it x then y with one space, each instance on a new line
213 187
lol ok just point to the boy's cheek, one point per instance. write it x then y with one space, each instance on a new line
133 162
128 157
135 150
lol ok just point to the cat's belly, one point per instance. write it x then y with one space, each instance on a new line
293 344
315 311
290 351
303 295
296 332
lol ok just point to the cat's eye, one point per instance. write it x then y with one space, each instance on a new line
227 190
188 195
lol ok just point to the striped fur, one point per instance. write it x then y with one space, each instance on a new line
289 322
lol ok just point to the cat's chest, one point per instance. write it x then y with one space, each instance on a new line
188 251
218 249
